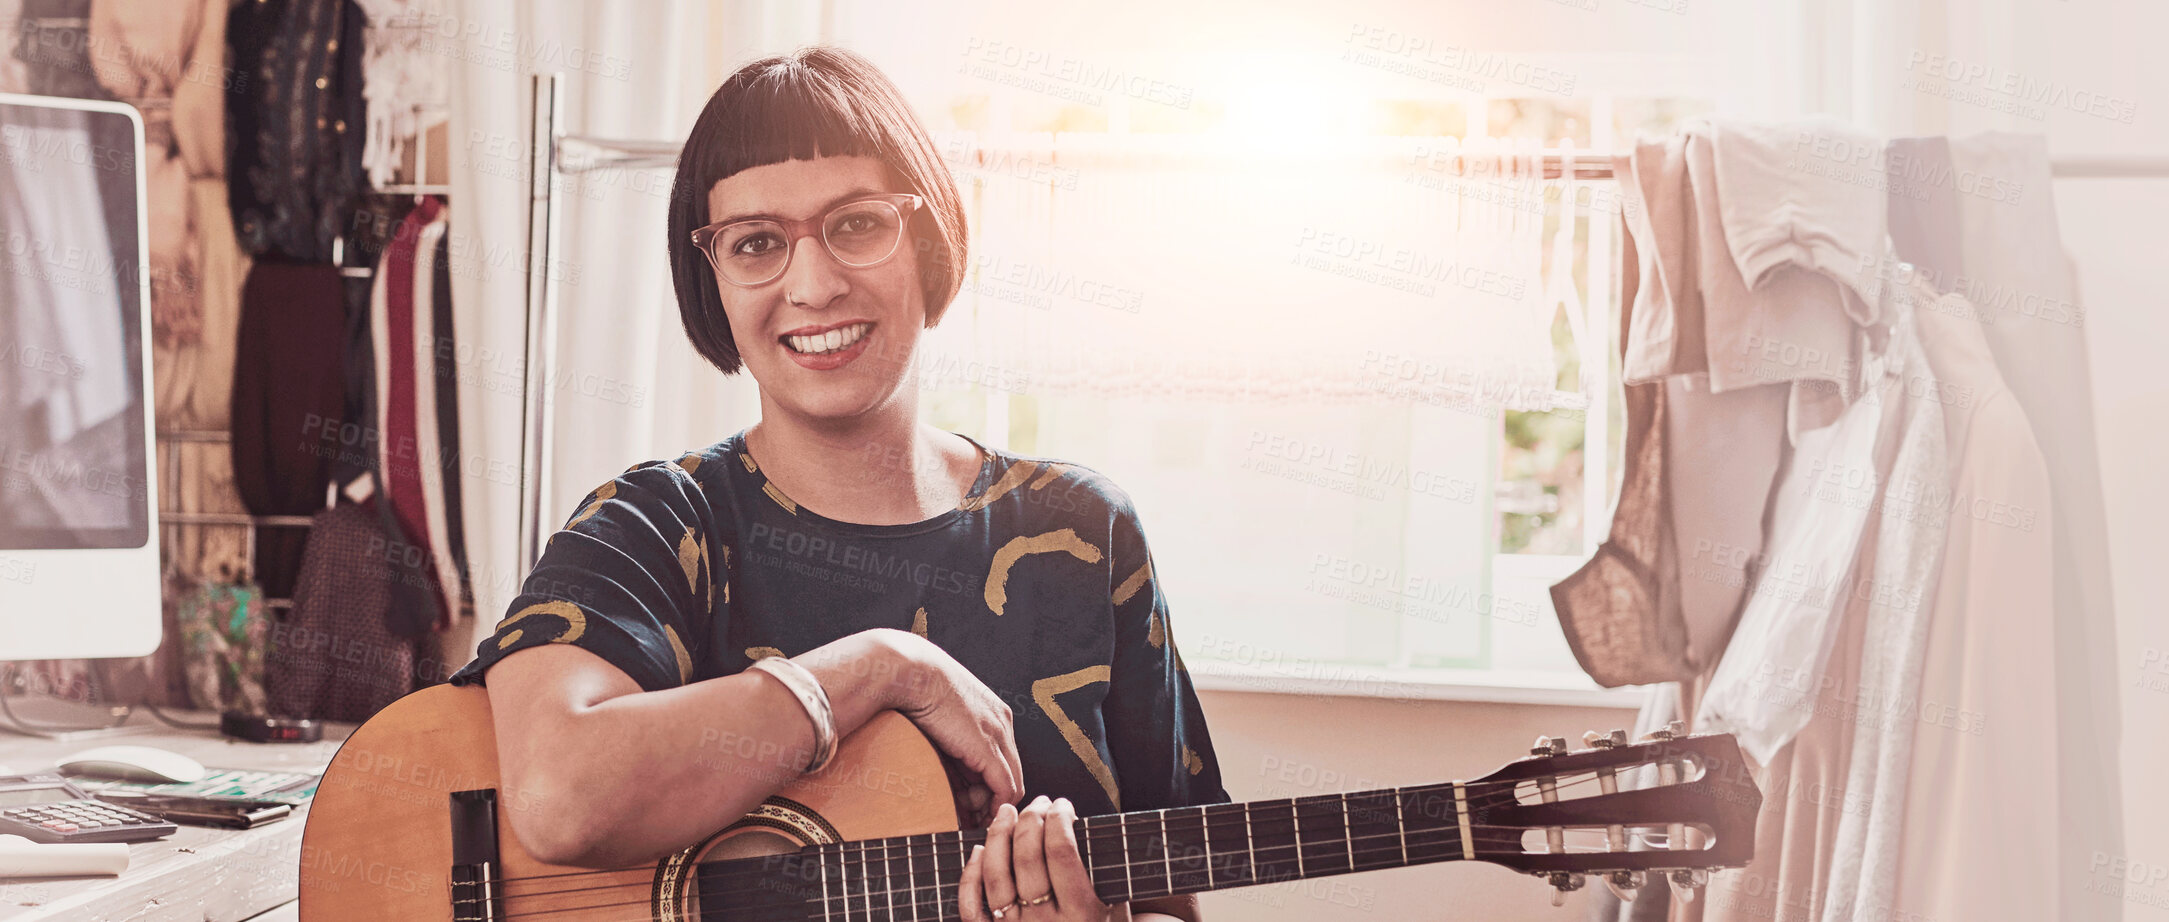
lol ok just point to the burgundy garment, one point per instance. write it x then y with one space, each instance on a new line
412 460
288 403
335 655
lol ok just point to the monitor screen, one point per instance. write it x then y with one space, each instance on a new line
73 462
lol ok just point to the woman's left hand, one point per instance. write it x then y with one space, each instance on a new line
1029 870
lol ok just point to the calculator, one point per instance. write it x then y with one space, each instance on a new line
46 808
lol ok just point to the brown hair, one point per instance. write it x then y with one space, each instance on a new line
820 101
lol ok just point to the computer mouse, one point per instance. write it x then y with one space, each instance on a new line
133 763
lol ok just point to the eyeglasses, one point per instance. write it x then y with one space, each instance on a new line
859 234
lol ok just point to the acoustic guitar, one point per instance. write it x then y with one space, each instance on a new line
411 823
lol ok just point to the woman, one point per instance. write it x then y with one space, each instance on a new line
1005 604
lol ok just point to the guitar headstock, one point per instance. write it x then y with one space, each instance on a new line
1675 805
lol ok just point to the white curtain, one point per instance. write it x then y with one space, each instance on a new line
628 388
1134 266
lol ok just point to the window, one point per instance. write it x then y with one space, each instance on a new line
1365 396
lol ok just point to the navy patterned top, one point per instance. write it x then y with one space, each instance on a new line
1039 582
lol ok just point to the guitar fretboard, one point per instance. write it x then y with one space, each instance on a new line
1129 855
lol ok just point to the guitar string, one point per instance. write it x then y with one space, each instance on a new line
941 892
913 889
1497 836
869 859
933 850
1500 792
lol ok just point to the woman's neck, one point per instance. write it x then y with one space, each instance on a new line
877 471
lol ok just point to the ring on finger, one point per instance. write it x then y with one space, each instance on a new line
998 913
1041 899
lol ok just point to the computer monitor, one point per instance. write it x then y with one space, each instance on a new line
79 570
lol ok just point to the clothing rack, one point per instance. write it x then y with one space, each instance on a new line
556 152
168 440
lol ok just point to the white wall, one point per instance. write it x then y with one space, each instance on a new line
1279 745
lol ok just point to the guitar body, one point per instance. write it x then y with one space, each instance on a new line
381 841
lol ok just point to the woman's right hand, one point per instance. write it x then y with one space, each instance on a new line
964 718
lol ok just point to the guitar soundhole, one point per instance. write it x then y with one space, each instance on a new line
752 843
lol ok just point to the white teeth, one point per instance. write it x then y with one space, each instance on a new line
830 341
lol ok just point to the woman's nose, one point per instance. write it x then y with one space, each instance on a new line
814 277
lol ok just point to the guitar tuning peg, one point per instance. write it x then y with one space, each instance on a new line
1687 883
1624 883
1561 882
1596 740
1548 746
1673 730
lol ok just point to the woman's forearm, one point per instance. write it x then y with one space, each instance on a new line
633 777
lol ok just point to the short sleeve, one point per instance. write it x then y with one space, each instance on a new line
630 578
1155 727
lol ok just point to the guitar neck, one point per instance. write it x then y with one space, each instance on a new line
1137 855
1216 846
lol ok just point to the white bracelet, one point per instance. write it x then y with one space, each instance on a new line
807 689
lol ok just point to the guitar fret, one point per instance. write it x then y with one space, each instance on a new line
1167 852
1318 835
1122 834
1250 844
1084 851
962 857
1205 822
1400 824
866 879
1297 816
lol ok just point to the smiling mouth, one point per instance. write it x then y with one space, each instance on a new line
824 343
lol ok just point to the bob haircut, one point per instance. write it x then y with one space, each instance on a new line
820 101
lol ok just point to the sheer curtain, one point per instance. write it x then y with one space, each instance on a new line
627 386
1172 266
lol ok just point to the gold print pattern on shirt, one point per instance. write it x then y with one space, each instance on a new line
918 622
685 660
760 652
1063 540
1191 762
786 502
691 462
1156 632
1054 470
693 558
575 622
602 495
1012 478
1135 582
1043 692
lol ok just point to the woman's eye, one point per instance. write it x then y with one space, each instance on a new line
857 224
756 245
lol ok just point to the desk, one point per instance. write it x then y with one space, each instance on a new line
196 874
